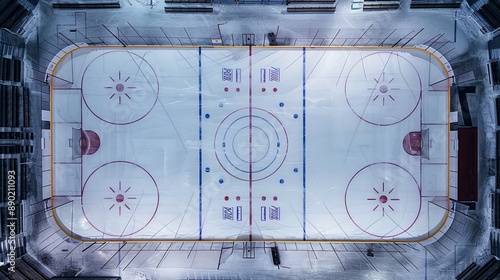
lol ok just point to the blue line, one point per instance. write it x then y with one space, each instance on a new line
200 152
304 237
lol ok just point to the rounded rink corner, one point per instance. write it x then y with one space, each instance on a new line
340 144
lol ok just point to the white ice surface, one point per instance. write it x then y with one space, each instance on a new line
213 143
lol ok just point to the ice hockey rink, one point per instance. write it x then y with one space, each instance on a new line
250 143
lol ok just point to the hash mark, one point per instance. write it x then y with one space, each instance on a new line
375 190
391 207
112 95
391 97
111 189
131 98
111 78
127 78
376 208
111 207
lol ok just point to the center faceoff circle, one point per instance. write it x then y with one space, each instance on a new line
254 144
258 149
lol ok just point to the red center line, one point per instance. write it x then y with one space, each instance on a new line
250 139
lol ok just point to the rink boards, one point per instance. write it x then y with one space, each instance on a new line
249 143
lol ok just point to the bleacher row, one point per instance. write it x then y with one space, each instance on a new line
418 4
495 72
87 5
10 70
293 6
491 13
27 268
13 99
379 5
189 9
495 205
310 6
488 269
13 15
313 6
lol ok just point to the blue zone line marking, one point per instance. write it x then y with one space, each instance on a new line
200 224
250 177
304 237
